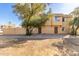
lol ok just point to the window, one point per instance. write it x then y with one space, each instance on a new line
57 18
62 28
63 19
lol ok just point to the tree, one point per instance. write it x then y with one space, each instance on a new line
40 21
75 12
75 21
75 25
27 12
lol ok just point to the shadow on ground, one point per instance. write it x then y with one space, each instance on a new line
17 41
12 43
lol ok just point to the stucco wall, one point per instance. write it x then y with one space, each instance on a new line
48 29
18 30
13 31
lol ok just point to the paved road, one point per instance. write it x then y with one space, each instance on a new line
47 36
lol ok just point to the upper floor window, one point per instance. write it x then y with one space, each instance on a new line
63 19
57 18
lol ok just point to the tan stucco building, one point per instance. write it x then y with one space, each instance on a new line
56 24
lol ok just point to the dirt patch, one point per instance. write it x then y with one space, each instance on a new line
46 47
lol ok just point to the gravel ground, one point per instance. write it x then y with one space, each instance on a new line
35 47
46 47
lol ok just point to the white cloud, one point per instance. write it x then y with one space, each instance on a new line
67 8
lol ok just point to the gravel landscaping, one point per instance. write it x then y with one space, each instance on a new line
35 47
45 47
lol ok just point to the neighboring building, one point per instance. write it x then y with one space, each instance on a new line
57 24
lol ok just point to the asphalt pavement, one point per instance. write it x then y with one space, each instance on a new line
41 36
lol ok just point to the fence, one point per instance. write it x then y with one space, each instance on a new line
15 31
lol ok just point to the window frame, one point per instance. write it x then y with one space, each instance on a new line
55 18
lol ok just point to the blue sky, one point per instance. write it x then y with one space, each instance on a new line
6 11
6 14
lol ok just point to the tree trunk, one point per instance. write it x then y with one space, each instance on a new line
30 30
76 30
73 30
27 31
39 30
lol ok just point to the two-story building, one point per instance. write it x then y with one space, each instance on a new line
57 24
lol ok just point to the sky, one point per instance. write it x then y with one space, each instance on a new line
64 8
6 11
7 15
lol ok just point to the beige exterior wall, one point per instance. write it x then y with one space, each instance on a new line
13 31
59 22
66 24
49 26
48 29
